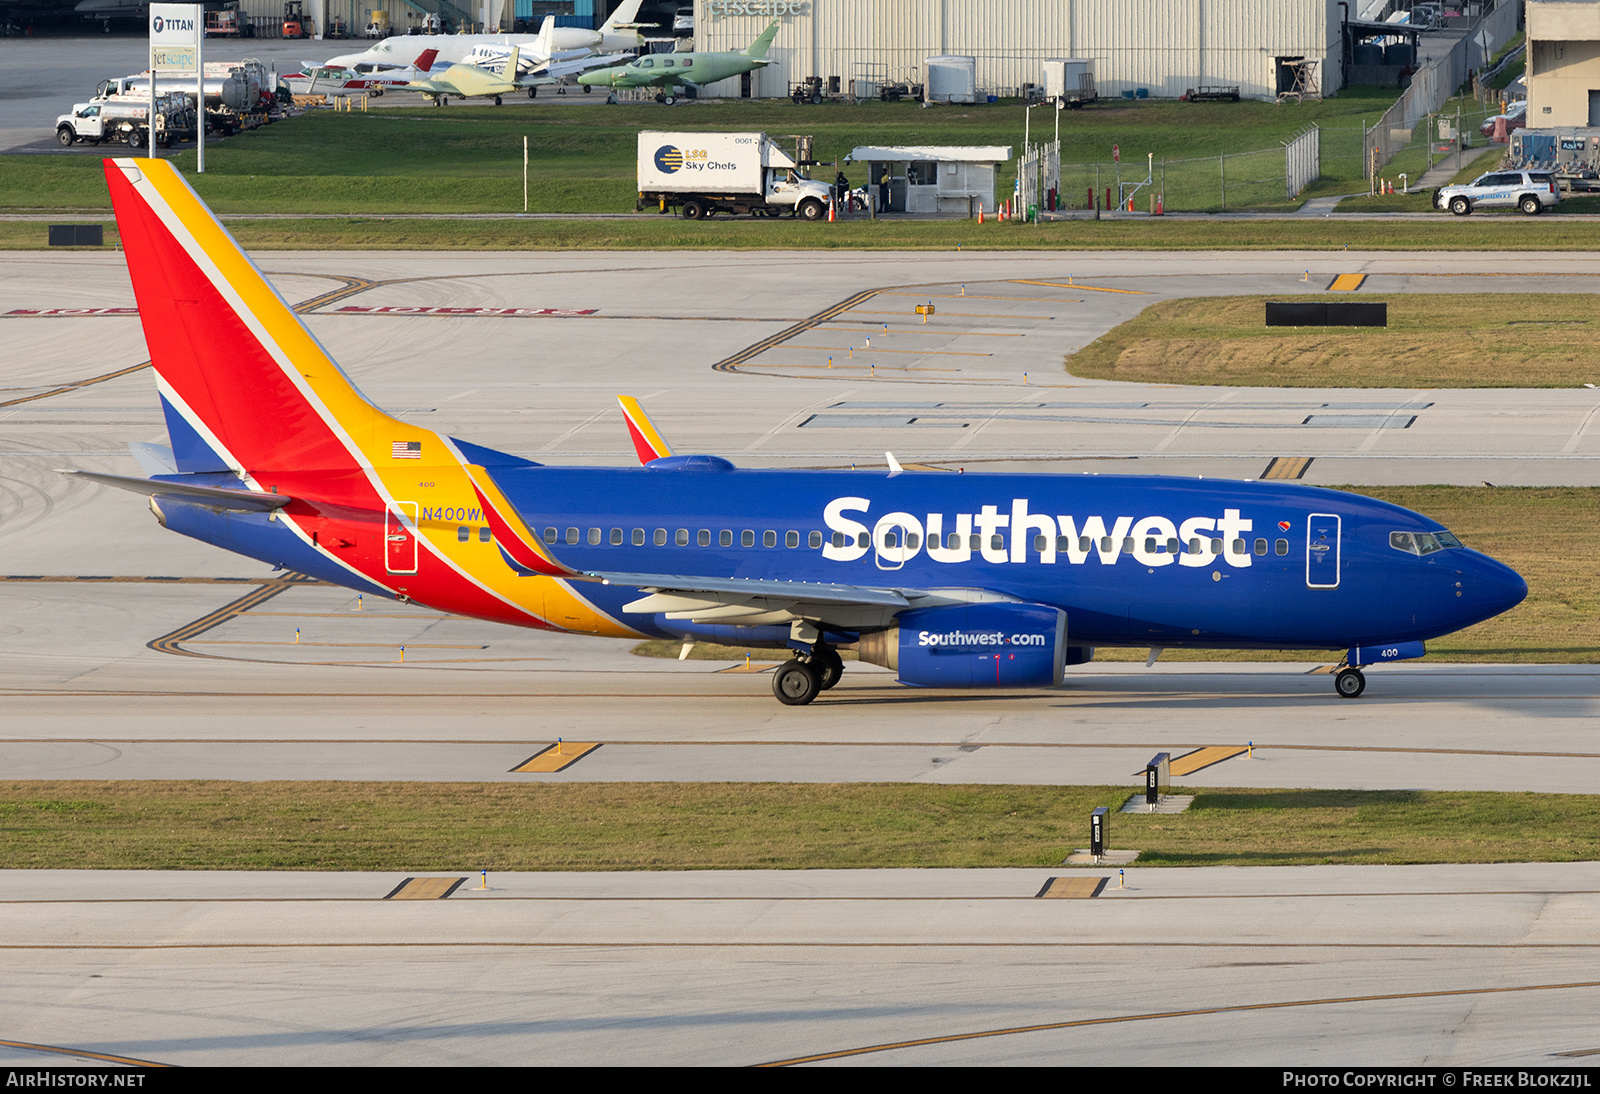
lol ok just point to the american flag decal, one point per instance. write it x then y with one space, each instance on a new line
407 450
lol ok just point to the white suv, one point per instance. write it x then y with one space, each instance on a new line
1531 191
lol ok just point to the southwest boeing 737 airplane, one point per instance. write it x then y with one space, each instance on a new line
953 581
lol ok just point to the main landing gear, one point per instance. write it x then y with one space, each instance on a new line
800 680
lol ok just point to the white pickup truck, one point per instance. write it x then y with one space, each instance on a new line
118 118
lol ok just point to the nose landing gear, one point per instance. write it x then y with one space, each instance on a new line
1349 683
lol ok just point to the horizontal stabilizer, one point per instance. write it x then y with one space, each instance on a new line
219 497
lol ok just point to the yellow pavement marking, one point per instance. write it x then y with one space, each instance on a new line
848 364
912 352
975 296
425 888
1347 282
548 759
936 330
87 1055
1083 288
970 314
1204 757
1073 888
1287 467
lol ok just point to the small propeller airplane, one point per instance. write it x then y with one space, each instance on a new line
670 70
953 581
467 81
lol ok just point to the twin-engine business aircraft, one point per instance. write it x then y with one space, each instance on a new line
951 580
670 70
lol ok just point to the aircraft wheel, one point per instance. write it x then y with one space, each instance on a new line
660 96
795 684
611 99
829 667
497 100
533 92
1350 684
693 210
669 99
587 89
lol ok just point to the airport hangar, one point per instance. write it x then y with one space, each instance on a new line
1165 47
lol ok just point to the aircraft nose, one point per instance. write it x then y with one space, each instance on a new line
1495 587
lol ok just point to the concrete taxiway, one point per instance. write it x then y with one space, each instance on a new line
1333 966
128 652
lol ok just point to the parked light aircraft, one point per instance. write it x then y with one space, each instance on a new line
464 81
669 70
619 33
980 580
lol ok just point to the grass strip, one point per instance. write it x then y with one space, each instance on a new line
651 232
1432 340
215 825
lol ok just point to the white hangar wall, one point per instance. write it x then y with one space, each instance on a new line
1167 46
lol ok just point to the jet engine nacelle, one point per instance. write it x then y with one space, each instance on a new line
975 646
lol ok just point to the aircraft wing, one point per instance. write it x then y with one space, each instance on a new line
219 497
556 70
754 601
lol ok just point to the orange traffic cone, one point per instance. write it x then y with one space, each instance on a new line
832 216
1160 205
980 212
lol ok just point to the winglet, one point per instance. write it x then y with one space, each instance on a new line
425 60
647 442
894 465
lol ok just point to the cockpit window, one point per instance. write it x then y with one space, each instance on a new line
1422 543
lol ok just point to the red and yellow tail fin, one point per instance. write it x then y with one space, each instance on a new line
233 358
647 441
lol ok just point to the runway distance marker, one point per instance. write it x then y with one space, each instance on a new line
550 759
425 888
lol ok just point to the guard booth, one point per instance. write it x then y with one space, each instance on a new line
937 179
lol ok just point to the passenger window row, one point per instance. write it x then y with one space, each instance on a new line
952 542
464 534
638 537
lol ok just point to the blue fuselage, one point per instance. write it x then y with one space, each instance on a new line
1131 560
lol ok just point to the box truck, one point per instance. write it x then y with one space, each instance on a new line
706 173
